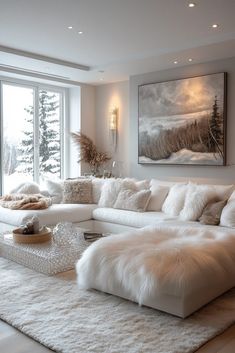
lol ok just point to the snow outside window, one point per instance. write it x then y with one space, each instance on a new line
32 124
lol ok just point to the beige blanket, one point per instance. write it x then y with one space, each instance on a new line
25 202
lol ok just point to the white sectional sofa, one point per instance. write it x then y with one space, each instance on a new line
163 211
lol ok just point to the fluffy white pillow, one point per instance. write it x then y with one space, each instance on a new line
97 184
28 187
55 189
227 218
197 197
129 199
174 202
158 196
109 192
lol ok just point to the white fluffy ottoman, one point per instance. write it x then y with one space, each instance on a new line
173 268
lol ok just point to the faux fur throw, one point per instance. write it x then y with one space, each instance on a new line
25 202
176 260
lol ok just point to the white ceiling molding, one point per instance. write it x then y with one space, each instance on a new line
38 74
44 58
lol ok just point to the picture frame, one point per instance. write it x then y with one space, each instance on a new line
183 121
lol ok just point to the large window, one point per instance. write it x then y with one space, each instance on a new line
32 127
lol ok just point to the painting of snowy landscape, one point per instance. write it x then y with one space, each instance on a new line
183 121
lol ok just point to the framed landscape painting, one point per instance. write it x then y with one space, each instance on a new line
183 121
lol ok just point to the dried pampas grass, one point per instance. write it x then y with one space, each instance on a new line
88 151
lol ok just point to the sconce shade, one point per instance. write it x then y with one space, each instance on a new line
113 119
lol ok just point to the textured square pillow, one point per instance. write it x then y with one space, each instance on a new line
197 197
77 191
227 218
212 213
132 200
158 196
109 192
174 202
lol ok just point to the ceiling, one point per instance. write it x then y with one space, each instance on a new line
120 37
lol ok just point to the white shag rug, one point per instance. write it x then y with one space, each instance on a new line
54 312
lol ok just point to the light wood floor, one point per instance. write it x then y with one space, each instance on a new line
13 341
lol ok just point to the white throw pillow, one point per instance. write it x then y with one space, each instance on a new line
135 185
129 199
227 218
174 202
158 196
197 197
222 191
97 184
109 192
55 189
28 187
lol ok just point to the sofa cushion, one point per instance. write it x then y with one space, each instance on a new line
52 215
212 213
174 201
77 191
28 187
158 195
55 189
129 199
109 192
135 185
97 184
197 197
227 218
129 218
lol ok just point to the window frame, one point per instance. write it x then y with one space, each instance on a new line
36 87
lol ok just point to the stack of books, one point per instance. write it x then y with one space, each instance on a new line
92 236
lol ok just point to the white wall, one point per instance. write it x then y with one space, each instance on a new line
82 118
88 116
125 96
107 97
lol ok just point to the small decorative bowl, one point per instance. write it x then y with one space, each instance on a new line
41 237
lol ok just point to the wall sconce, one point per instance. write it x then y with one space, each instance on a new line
113 126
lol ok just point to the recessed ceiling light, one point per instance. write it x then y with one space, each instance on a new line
70 27
175 62
80 32
215 25
191 4
190 59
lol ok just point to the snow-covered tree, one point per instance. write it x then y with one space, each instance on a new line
216 129
49 137
26 148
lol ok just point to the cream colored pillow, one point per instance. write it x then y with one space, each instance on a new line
212 213
77 191
175 200
135 185
197 197
227 218
158 196
131 200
